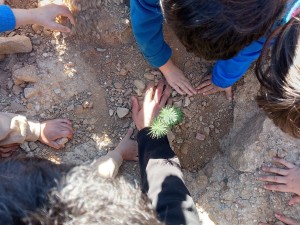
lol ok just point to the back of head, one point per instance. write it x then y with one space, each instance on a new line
280 97
24 187
219 29
87 199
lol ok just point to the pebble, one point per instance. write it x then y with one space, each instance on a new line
70 108
57 91
37 28
178 103
87 105
118 85
184 149
149 76
30 92
15 44
179 141
122 112
206 130
123 72
111 112
187 101
204 103
200 137
139 85
101 49
25 74
78 109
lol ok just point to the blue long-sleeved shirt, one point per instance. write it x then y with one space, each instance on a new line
7 18
147 24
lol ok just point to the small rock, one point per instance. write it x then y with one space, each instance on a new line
178 103
15 44
118 85
25 74
37 28
128 92
206 130
2 57
70 108
78 109
30 92
200 137
123 72
33 146
204 104
149 76
16 90
87 105
139 85
111 112
122 112
62 141
10 84
57 91
47 32
101 49
187 101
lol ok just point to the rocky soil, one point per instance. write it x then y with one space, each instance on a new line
89 77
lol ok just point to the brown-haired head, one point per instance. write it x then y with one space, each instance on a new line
280 95
219 29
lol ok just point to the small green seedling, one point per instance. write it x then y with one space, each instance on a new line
168 117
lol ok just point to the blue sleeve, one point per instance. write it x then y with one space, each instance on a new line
147 25
7 18
227 72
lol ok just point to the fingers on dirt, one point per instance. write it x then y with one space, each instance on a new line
279 171
284 162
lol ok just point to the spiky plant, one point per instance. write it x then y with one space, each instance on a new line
168 117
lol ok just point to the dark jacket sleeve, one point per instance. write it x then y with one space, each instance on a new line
162 181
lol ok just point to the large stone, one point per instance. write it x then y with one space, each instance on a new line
15 44
122 112
25 74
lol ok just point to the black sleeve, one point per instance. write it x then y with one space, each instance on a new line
162 181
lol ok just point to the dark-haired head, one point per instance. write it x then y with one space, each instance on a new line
219 29
36 191
280 78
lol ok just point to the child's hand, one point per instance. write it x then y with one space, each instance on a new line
207 87
46 16
176 79
288 180
286 220
155 99
52 130
128 148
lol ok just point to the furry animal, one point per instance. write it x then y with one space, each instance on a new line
37 191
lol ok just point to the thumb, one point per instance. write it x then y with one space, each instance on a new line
129 133
228 92
135 107
294 200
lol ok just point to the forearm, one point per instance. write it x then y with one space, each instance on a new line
15 129
147 26
25 16
162 181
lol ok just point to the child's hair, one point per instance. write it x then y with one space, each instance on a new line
219 29
280 80
35 192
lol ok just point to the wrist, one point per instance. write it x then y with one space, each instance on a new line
167 67
25 16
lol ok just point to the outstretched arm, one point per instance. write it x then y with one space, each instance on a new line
162 178
44 16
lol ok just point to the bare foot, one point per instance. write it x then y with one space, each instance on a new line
52 130
128 148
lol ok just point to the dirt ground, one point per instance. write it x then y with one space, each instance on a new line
74 71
